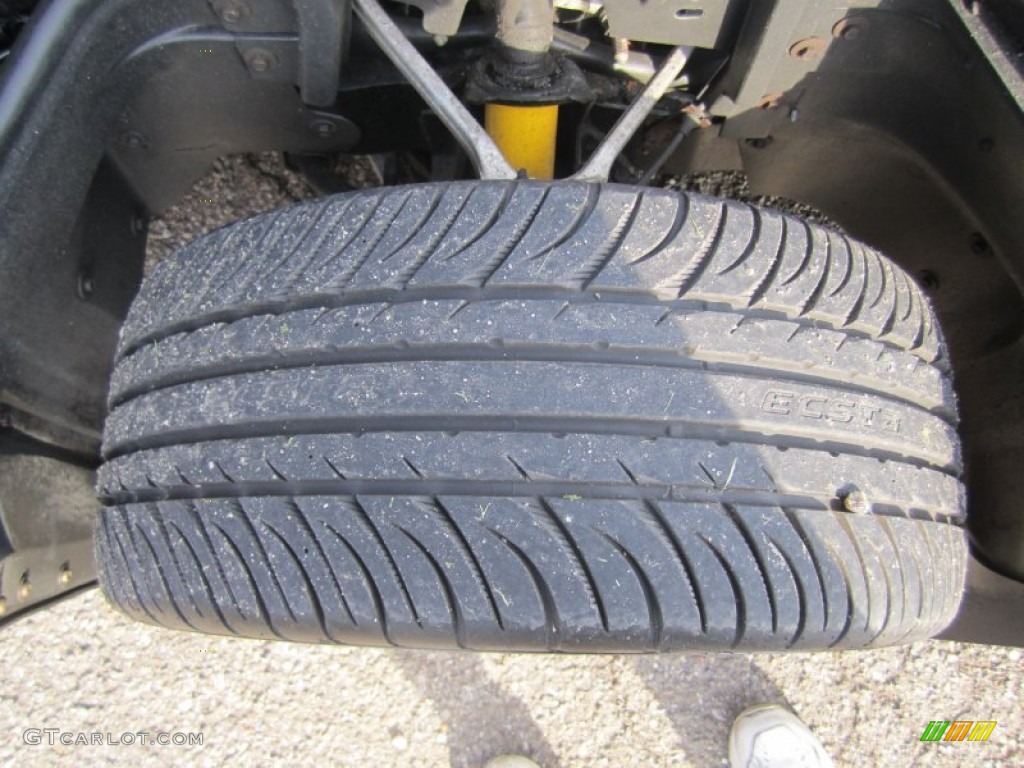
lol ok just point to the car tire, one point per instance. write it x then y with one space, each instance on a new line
527 416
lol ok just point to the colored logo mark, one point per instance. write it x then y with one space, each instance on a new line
958 730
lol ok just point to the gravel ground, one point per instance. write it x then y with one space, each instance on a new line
82 667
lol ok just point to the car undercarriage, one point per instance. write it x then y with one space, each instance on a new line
899 120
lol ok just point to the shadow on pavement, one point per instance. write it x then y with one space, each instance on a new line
483 720
702 694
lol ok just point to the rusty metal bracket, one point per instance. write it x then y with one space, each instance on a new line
441 17
324 30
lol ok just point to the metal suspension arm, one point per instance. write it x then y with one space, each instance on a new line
483 152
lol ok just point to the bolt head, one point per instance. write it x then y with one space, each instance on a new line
857 503
64 577
233 12
851 28
24 591
808 49
260 60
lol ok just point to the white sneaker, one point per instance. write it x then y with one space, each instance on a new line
511 761
769 736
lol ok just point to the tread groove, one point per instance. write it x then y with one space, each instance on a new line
610 250
741 601
314 597
127 566
161 527
607 296
499 209
651 601
410 272
204 579
541 424
755 233
900 554
748 538
471 558
801 621
512 488
679 221
706 254
367 249
250 578
553 622
160 571
628 472
367 580
326 231
870 603
458 625
770 275
655 518
243 516
586 211
819 287
435 203
519 469
578 557
484 275
300 517
193 514
858 303
546 352
375 533
300 241
808 546
696 488
847 273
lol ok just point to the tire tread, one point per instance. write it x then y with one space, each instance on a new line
245 496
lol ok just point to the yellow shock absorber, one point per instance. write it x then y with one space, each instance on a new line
525 135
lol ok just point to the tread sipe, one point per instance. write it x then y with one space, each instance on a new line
533 416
